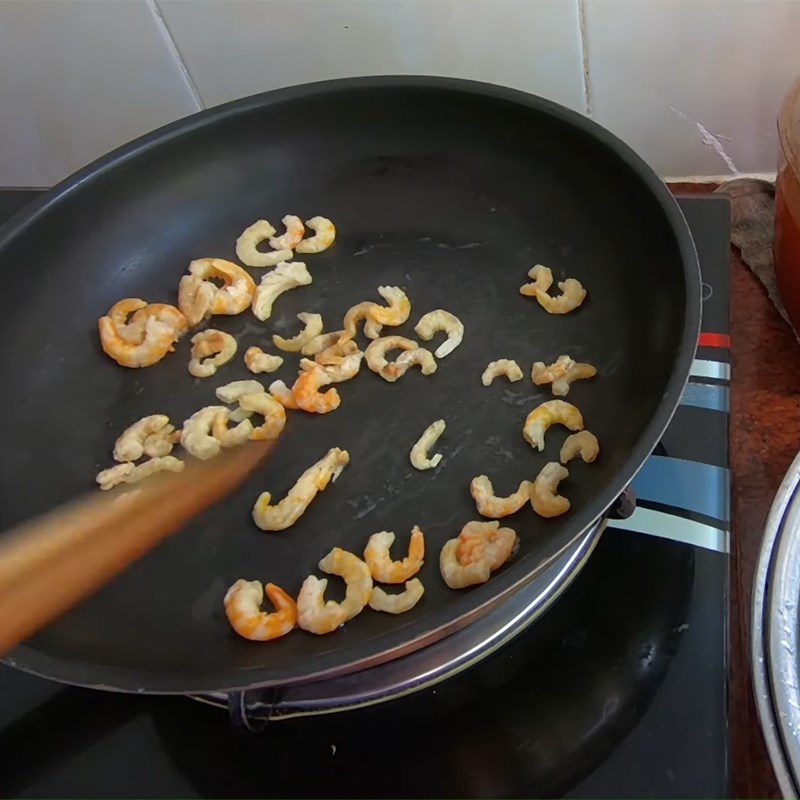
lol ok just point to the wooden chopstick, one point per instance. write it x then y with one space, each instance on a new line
50 563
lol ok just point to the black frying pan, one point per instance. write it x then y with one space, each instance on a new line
448 188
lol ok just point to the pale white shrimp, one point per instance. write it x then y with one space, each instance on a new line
313 480
360 311
196 436
247 246
419 452
155 344
210 350
486 541
547 414
545 501
542 280
307 395
489 505
257 361
312 327
294 233
355 574
313 613
231 392
380 563
584 443
133 473
503 366
397 603
347 368
561 373
321 343
324 234
375 353
149 436
197 301
441 320
243 610
418 356
287 275
283 394
269 408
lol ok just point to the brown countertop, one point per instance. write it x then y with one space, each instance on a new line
764 439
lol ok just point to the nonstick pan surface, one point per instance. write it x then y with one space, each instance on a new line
450 189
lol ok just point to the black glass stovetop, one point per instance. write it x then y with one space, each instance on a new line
618 691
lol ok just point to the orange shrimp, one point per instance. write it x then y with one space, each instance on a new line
243 609
307 395
383 569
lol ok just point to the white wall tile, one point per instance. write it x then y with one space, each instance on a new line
78 78
661 69
233 48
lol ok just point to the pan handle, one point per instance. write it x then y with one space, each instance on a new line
624 505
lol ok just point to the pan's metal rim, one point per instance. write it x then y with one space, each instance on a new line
763 670
125 680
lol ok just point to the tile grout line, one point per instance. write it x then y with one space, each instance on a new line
162 23
584 39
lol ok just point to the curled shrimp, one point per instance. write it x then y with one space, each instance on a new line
269 408
132 329
358 313
544 499
307 395
231 392
336 353
503 366
321 343
572 291
324 234
376 351
312 327
380 563
210 349
257 361
441 320
133 473
294 233
155 343
196 436
355 574
561 373
313 613
287 275
584 443
419 452
230 437
485 541
489 505
398 310
247 246
243 610
419 356
547 414
198 297
542 280
283 394
347 368
397 603
479 549
290 509
149 436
